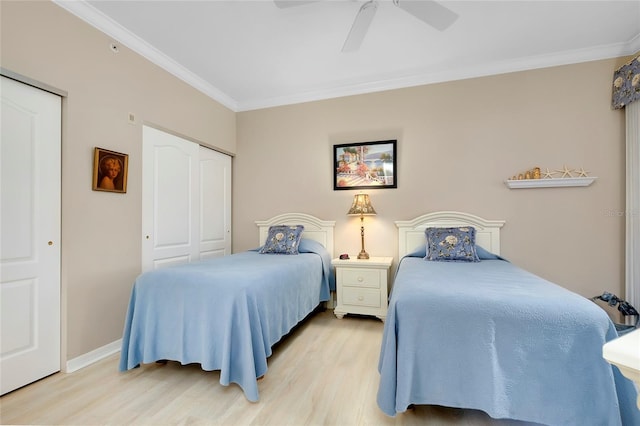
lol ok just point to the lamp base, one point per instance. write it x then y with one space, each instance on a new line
363 255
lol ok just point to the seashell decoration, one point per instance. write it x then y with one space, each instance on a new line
537 173
533 173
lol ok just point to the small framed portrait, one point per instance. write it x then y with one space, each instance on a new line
365 165
109 170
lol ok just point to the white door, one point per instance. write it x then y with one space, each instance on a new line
215 202
30 145
170 215
186 193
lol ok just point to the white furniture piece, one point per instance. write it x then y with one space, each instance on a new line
362 286
314 228
624 353
411 232
550 183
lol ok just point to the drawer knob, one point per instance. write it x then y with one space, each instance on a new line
360 298
360 279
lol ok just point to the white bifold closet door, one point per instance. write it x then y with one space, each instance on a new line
30 142
186 201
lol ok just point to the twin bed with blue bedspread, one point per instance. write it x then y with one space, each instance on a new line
488 335
481 334
226 313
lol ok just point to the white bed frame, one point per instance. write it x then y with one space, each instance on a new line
411 232
314 228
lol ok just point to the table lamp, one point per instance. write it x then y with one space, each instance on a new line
362 206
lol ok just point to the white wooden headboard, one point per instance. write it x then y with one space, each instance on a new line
314 228
411 232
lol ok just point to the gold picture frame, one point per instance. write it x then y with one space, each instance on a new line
110 170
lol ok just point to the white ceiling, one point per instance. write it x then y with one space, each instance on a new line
252 54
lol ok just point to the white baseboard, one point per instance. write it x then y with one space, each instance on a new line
93 356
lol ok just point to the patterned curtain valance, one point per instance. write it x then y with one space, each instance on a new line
626 84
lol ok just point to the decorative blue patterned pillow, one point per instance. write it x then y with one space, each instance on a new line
451 244
282 239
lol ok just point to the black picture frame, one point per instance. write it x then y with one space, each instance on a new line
365 165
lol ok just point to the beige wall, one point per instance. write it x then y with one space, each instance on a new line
457 143
101 232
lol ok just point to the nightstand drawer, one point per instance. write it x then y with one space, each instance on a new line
359 277
361 297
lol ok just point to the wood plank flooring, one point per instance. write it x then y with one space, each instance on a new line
323 373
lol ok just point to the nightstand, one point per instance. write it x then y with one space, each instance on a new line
362 286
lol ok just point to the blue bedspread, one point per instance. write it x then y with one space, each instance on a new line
493 337
225 313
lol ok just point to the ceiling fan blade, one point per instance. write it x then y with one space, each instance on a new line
429 11
283 4
360 26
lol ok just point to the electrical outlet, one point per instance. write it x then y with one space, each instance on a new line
132 118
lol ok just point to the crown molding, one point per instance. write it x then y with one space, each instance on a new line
102 22
421 78
105 24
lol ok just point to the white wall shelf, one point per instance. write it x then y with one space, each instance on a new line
550 183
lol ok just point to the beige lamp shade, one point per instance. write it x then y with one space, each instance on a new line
361 205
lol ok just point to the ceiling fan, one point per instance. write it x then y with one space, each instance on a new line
428 11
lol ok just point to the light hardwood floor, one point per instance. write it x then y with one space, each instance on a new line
323 373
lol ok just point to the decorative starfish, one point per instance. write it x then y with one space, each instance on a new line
548 174
566 172
582 172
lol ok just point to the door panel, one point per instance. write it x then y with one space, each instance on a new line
170 218
172 196
30 144
186 206
215 199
